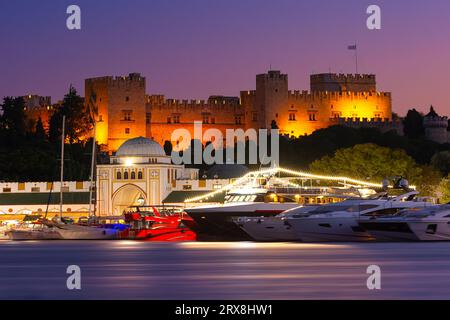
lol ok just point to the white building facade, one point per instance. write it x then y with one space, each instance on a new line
139 173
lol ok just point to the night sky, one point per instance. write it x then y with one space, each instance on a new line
190 49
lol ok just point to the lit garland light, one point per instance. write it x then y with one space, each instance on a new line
272 171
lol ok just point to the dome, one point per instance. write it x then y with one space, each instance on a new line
226 171
140 147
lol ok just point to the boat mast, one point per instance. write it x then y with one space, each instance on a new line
62 168
91 187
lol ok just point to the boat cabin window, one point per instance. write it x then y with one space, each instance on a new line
327 209
272 197
383 212
347 208
364 207
240 198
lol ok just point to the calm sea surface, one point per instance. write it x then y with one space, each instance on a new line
146 270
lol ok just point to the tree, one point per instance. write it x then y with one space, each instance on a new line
413 124
39 132
444 190
369 162
428 182
168 147
78 119
441 161
12 120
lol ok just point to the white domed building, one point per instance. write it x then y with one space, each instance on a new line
139 173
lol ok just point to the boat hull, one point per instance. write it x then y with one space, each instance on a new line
269 229
24 235
408 230
329 230
80 234
220 225
160 234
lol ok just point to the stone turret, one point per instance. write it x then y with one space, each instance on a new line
343 82
436 127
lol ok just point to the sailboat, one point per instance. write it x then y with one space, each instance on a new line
42 229
91 231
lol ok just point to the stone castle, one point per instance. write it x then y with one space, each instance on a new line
126 111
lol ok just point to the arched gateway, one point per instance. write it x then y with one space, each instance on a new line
138 173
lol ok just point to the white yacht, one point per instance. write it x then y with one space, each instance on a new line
272 229
256 199
429 224
340 221
35 231
216 222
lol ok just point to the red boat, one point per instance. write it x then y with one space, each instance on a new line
157 223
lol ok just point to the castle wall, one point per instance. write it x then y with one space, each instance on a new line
436 129
306 112
126 112
169 115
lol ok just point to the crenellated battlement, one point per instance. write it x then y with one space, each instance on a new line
436 127
213 102
343 82
333 95
358 122
273 75
133 79
433 120
344 77
383 125
127 111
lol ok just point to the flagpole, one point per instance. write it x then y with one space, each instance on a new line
355 48
63 135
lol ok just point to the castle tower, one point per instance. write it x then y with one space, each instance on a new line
121 108
271 96
38 107
436 127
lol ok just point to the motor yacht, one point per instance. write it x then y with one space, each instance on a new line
260 196
272 229
426 224
157 223
341 221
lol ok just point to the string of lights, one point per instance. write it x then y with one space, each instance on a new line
274 171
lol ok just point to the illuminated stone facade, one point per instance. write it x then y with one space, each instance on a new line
125 111
38 107
121 108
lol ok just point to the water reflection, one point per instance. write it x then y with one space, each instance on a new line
195 270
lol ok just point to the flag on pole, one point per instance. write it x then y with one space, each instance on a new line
352 47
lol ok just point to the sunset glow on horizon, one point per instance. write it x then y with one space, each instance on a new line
198 48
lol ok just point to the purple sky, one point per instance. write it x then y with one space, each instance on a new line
196 48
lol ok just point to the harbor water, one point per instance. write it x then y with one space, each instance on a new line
240 270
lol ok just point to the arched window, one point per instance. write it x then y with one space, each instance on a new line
125 175
119 175
140 175
133 175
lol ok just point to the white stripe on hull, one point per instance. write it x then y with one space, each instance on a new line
328 230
